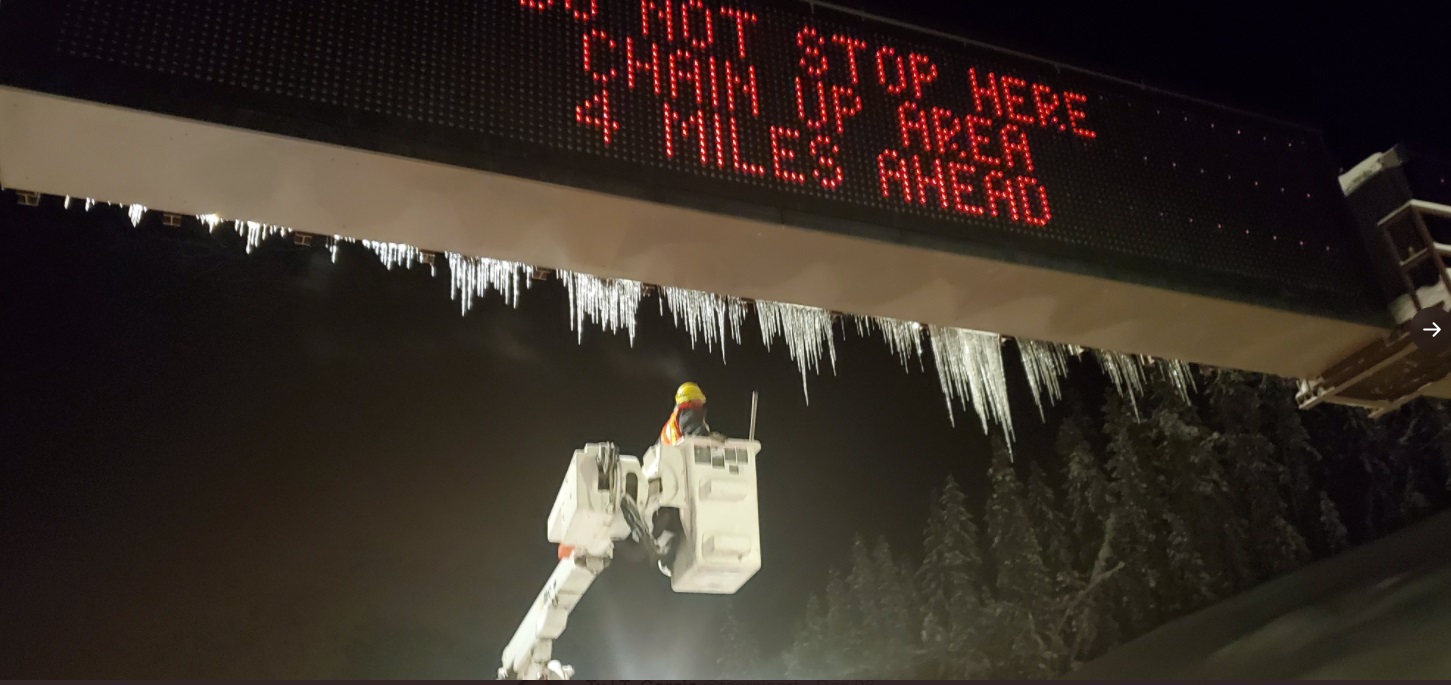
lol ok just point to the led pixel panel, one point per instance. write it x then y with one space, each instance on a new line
779 110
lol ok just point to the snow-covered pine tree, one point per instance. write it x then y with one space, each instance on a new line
808 653
1086 491
1139 539
739 655
866 658
1257 476
897 643
845 633
1303 463
1205 541
949 583
1021 643
1334 537
1088 623
1021 575
1049 524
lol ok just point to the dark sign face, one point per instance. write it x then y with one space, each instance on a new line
782 111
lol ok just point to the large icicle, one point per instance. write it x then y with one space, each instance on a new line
1127 373
610 303
209 220
809 331
705 316
903 338
970 368
395 254
1046 365
136 212
475 276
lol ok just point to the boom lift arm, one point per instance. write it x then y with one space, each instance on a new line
712 546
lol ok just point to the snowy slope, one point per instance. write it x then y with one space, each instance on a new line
1380 611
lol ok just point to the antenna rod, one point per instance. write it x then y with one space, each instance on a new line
753 416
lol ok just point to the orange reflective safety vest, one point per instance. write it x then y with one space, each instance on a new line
672 432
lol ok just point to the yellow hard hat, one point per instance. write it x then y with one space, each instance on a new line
689 392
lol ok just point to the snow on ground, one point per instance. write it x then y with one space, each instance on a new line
1382 610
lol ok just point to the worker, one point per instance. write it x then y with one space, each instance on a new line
688 417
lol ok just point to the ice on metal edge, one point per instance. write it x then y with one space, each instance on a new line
475 276
1046 365
1180 375
903 338
809 331
1127 373
135 212
970 369
394 254
332 245
705 316
610 303
256 232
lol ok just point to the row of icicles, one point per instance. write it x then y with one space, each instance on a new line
969 363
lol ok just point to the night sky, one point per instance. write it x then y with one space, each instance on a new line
227 465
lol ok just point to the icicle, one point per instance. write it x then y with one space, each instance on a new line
393 254
808 332
970 369
332 246
705 316
1126 372
67 203
903 338
89 204
1046 365
256 232
610 303
135 212
1179 375
476 276
210 221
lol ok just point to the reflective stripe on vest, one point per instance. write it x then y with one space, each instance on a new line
670 434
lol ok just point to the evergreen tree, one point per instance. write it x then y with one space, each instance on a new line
1025 595
1048 522
1086 491
949 583
1333 534
1021 575
1259 478
809 652
740 655
1205 540
897 640
1139 540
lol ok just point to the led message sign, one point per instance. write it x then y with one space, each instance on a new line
782 110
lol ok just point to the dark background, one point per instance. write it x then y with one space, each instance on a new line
222 465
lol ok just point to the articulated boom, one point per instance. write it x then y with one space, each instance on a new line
691 507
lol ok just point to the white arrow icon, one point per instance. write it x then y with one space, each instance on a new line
1434 329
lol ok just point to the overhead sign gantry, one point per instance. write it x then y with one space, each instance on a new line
788 151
